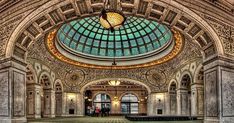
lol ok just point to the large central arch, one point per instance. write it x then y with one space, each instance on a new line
39 22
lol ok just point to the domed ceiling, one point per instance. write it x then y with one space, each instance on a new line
137 37
138 43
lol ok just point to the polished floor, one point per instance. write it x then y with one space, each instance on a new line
100 120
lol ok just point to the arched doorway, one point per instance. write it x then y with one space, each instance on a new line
129 104
184 96
47 96
99 94
172 98
58 99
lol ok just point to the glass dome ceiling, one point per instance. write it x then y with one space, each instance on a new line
138 36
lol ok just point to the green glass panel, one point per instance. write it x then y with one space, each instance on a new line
67 41
61 36
134 29
118 44
133 43
73 23
73 45
98 36
127 52
117 38
137 34
162 41
103 44
125 44
148 30
102 52
119 53
82 21
77 26
158 33
85 25
110 45
150 47
94 51
140 41
82 39
142 49
162 28
89 41
130 36
156 44
81 30
124 37
79 47
86 33
142 32
104 37
110 52
96 43
146 39
134 51
152 36
95 30
167 36
66 29
86 49
92 35
111 38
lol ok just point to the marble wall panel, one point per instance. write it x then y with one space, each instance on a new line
227 93
211 94
19 94
4 93
173 104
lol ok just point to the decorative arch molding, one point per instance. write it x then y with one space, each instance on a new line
186 72
172 81
171 13
49 77
60 82
108 79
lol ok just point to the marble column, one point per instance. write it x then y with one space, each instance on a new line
167 104
197 100
150 105
172 104
183 102
12 91
58 103
219 86
49 103
33 100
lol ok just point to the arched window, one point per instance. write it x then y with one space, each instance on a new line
129 104
102 100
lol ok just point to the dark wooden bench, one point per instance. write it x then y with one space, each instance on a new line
159 118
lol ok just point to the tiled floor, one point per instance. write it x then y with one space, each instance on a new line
100 120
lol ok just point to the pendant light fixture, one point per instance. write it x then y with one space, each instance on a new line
112 17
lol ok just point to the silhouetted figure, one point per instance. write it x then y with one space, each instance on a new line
108 111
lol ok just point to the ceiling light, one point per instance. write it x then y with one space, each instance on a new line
111 17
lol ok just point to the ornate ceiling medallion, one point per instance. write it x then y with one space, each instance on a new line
50 42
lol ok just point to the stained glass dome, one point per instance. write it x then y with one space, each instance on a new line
137 36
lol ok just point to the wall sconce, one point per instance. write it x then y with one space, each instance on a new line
89 100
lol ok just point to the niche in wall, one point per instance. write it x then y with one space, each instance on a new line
159 111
